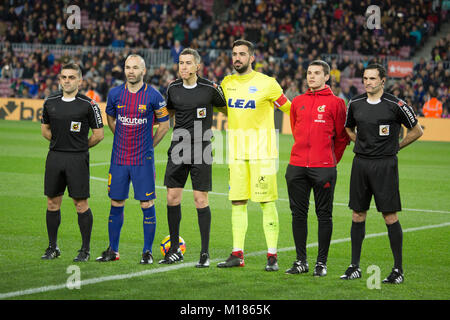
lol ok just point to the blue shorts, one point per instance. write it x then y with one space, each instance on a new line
142 177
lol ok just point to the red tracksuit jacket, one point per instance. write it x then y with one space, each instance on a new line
317 123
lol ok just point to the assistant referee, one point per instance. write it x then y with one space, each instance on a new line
66 119
378 117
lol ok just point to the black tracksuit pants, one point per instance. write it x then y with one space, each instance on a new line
300 181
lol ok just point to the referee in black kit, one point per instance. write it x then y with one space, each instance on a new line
191 100
378 117
66 119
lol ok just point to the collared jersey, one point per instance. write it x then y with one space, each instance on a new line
194 108
251 99
378 125
70 121
134 113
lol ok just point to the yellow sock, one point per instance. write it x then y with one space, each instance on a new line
239 222
271 226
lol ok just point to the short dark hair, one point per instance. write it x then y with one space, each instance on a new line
72 66
192 52
248 44
379 67
325 66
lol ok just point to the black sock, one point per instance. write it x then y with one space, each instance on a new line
300 232
395 234
53 219
357 234
174 219
85 221
325 231
204 223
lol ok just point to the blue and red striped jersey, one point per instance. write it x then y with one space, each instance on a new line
134 113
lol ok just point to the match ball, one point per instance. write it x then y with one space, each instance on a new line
165 245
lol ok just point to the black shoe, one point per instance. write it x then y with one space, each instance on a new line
234 260
352 272
272 264
395 277
83 256
108 255
298 267
147 258
320 270
172 257
51 253
204 261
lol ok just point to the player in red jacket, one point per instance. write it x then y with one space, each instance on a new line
317 123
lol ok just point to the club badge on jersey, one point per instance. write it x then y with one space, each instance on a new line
142 108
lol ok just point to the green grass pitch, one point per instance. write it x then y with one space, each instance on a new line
425 189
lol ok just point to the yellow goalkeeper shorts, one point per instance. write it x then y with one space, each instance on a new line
253 179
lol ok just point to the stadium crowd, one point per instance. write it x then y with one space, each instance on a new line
287 34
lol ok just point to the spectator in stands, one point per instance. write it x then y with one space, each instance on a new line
432 108
7 71
160 23
417 34
352 89
420 65
92 92
31 88
194 22
445 107
91 74
176 50
335 73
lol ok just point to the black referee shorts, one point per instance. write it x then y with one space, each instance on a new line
377 177
67 169
200 169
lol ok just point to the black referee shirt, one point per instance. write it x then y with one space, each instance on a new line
378 125
70 121
193 107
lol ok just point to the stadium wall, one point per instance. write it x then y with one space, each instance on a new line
31 110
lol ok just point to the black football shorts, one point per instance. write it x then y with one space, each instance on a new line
67 169
377 177
178 169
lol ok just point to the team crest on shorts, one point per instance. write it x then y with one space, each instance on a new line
262 185
384 130
75 126
201 112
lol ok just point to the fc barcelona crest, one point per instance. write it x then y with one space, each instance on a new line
142 108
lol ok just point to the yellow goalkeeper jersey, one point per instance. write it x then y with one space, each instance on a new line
251 99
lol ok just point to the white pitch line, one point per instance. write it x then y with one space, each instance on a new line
99 164
312 202
186 265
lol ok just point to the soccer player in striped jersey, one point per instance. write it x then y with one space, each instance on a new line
251 97
131 109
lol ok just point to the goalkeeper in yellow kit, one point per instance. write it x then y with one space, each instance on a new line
252 151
